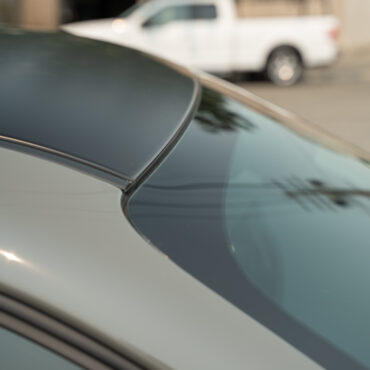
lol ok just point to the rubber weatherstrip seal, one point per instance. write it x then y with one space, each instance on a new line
69 160
21 318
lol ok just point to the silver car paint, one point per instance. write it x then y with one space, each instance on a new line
66 246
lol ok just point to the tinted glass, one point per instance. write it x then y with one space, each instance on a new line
19 353
95 101
204 12
274 222
170 14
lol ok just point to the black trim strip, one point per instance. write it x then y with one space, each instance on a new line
43 325
58 153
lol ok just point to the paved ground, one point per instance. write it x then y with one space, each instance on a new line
337 99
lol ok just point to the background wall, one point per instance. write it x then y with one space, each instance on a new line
39 14
354 15
355 23
49 14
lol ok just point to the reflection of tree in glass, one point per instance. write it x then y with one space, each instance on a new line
366 161
213 114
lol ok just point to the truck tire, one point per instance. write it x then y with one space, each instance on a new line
284 66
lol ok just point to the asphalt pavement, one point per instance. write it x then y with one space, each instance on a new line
336 99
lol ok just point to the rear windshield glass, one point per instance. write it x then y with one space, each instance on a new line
274 222
95 112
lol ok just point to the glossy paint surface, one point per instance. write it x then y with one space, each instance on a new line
67 248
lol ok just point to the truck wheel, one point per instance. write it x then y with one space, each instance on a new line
284 66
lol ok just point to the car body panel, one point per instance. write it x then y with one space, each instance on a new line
68 249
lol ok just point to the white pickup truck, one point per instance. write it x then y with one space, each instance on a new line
208 34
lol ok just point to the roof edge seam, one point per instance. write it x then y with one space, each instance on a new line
58 153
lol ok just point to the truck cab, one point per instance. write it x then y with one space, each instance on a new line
209 35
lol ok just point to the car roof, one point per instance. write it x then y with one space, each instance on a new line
103 108
67 249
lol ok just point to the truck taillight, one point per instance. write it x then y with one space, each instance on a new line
334 33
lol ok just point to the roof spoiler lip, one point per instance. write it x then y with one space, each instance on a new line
120 180
167 147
